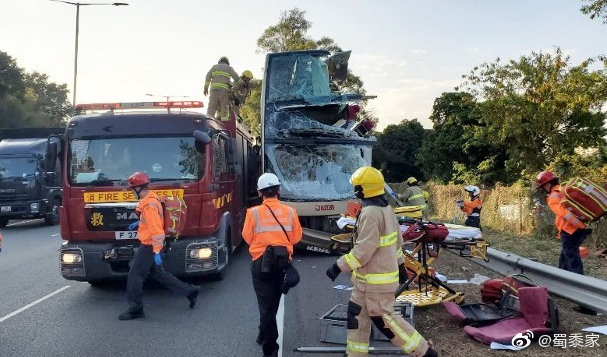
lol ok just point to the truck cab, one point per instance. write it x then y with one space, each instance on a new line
184 153
26 190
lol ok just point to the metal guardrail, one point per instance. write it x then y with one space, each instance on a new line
584 290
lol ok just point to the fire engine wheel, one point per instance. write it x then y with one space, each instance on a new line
52 218
4 221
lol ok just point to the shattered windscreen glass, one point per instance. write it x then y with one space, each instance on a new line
315 172
297 76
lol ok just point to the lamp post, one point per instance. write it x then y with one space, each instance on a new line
167 97
77 4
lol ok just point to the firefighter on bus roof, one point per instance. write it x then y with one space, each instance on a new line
218 78
148 258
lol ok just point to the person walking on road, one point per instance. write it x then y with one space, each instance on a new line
271 230
218 78
473 207
377 265
148 258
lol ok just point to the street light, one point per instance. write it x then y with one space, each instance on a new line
77 4
167 97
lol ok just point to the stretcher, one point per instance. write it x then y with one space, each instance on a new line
422 287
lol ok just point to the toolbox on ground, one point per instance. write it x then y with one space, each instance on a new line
333 323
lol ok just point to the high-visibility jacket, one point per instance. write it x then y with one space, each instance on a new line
565 220
241 90
473 208
261 229
414 196
377 251
151 222
218 77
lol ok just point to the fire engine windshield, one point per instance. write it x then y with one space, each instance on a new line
17 167
111 161
316 172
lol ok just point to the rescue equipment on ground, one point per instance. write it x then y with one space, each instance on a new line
585 198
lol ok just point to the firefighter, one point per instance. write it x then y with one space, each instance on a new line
148 258
571 229
414 195
218 78
271 230
241 90
473 207
377 265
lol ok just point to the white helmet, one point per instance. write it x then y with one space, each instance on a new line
474 190
267 180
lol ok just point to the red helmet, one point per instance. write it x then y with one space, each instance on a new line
544 177
138 179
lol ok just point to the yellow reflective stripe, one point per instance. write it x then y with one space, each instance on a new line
399 253
219 85
362 347
377 279
352 261
220 73
411 342
388 239
419 195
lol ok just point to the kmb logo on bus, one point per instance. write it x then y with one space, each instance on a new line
320 208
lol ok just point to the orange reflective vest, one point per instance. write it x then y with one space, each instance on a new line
565 220
261 229
473 208
151 222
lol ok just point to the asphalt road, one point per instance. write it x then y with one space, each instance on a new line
41 314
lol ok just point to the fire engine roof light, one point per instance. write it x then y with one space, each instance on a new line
141 105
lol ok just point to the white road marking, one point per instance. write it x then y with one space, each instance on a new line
54 235
21 222
33 303
280 321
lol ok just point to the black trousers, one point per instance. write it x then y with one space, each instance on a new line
143 265
473 221
570 258
268 290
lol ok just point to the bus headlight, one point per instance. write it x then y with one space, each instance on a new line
34 207
201 253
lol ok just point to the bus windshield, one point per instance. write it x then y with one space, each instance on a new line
109 161
316 172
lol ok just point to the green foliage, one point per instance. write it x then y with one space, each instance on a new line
291 34
397 148
539 109
29 99
595 8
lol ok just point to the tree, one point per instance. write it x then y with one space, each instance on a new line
397 148
595 8
291 34
539 108
30 100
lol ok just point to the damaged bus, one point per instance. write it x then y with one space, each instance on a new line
312 138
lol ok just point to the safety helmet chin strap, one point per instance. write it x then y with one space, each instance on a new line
138 190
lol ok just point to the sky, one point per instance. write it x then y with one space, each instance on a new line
406 52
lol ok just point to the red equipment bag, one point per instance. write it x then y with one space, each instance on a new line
585 198
492 290
175 211
426 232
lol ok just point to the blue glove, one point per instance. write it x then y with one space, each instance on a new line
157 259
133 225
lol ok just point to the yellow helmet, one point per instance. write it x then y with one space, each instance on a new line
247 74
411 180
368 182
